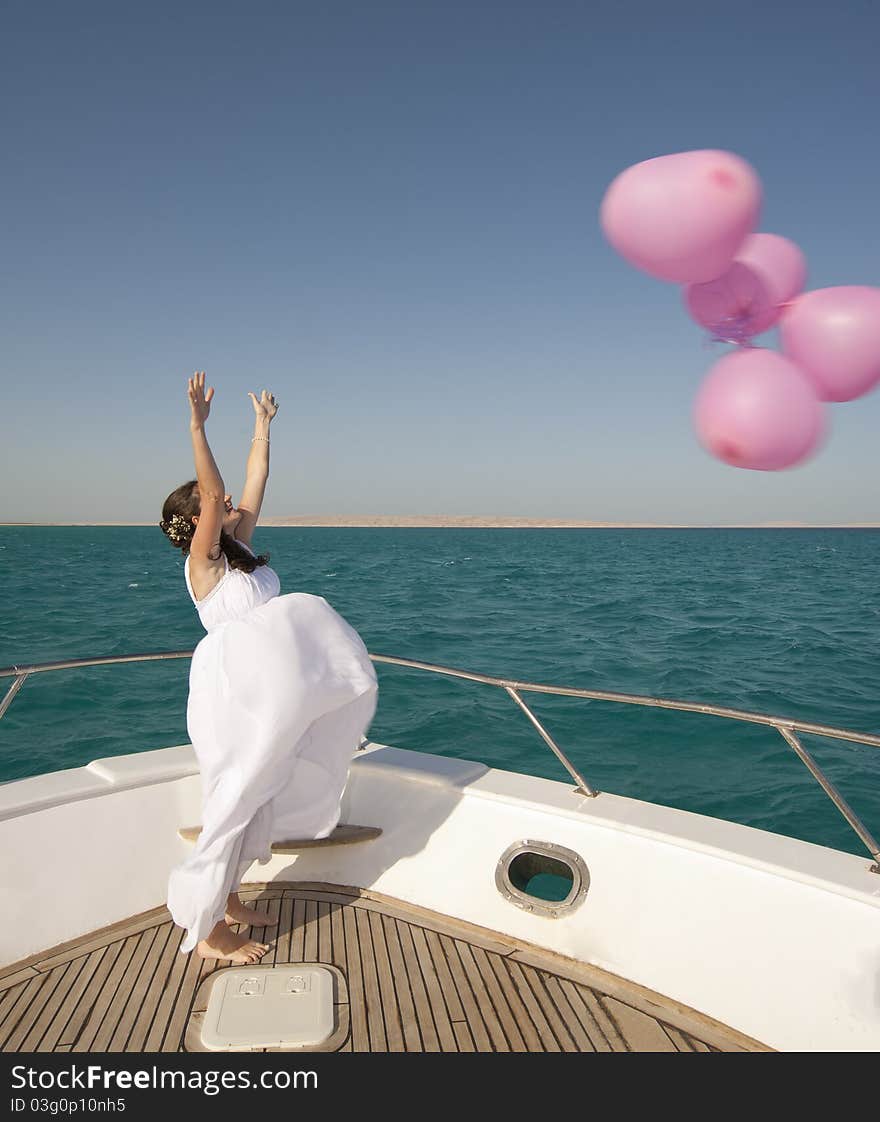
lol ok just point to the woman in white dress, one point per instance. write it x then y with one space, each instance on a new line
281 690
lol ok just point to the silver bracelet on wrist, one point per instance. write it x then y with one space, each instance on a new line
266 438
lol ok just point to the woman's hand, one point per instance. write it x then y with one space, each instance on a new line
200 402
266 406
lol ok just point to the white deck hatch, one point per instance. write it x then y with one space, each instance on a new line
269 1007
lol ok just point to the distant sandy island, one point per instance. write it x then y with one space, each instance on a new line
496 522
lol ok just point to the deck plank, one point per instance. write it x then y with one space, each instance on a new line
405 1006
8 1000
85 968
434 989
641 1032
249 893
168 940
441 969
13 977
104 959
517 972
310 932
418 988
510 1024
337 935
281 950
103 938
360 1033
568 1011
490 1016
126 986
32 1014
70 972
100 1009
140 988
391 1025
473 1018
519 1011
536 979
169 995
582 1011
375 1007
599 1014
196 970
681 1041
18 1001
325 938
298 931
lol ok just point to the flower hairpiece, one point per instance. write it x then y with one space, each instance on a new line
178 529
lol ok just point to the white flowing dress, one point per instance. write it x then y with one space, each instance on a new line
281 689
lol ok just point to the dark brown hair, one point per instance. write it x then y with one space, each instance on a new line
177 525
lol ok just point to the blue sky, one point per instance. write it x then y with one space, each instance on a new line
386 213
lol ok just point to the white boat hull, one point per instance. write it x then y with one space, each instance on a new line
774 937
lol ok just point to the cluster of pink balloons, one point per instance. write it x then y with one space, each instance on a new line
689 218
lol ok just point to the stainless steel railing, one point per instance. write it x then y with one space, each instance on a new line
787 727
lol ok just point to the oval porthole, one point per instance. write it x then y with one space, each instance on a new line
542 878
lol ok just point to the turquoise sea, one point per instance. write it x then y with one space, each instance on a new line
776 621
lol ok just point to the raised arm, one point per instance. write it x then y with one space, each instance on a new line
257 472
211 492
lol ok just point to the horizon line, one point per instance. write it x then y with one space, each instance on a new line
489 522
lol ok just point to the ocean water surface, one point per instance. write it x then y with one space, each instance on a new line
785 622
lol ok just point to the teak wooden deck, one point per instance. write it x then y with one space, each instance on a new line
408 980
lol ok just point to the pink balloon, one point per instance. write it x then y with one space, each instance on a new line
682 217
833 334
781 267
731 305
757 410
748 299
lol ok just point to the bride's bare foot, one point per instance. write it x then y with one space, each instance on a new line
236 912
223 943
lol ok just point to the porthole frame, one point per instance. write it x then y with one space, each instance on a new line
552 909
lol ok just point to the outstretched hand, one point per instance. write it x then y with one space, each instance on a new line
200 402
266 406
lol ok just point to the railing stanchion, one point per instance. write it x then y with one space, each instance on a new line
12 691
831 791
583 786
